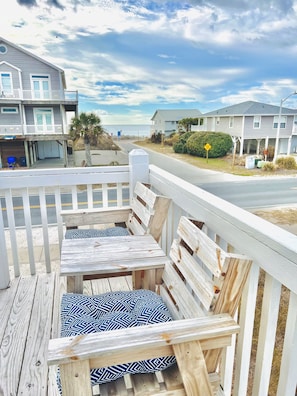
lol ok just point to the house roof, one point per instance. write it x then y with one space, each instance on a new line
176 114
250 108
19 48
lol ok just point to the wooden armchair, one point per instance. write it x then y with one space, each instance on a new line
202 287
146 215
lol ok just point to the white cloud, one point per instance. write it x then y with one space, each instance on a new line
125 54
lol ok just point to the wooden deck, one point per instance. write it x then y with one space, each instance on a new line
29 312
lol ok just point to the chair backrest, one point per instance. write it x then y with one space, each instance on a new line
148 212
202 278
146 215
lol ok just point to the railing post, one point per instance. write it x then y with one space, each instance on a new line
139 168
4 269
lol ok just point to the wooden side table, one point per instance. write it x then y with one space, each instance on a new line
111 255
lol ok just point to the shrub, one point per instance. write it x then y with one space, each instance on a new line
173 138
269 167
286 163
220 143
180 145
156 137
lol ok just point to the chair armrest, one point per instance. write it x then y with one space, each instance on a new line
143 342
81 217
186 339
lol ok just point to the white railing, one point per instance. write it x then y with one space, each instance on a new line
44 129
273 250
11 130
17 130
60 95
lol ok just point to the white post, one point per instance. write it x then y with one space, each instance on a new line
278 125
4 269
139 168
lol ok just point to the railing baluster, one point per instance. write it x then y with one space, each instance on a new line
245 337
44 222
74 197
58 206
288 372
28 225
90 196
4 267
104 195
12 231
266 338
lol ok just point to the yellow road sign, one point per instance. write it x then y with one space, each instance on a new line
207 147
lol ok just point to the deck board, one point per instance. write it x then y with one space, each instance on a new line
15 334
29 312
34 372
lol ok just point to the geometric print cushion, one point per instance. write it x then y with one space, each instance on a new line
94 233
82 314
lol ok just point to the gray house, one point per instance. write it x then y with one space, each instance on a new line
33 107
165 121
254 126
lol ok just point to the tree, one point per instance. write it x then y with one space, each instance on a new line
88 126
185 124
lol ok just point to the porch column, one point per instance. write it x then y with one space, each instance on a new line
4 268
258 146
27 154
289 145
241 142
65 154
139 168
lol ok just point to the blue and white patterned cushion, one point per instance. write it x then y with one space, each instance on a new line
95 233
82 314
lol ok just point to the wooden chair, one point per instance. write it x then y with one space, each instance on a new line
202 286
147 214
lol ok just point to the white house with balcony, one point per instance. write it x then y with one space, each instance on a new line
165 122
254 125
33 107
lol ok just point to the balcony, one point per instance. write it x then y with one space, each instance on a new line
39 96
30 262
23 130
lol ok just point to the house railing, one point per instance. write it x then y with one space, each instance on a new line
39 196
59 95
17 130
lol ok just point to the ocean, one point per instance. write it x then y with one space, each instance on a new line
128 130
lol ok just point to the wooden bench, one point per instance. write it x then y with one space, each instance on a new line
146 215
202 286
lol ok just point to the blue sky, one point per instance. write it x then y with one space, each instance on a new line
129 58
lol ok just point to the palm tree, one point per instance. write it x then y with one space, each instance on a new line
87 125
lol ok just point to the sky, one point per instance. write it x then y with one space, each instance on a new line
129 58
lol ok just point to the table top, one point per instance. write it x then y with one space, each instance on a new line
88 256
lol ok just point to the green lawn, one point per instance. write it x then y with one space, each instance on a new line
222 164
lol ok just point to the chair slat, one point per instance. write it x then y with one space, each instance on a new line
198 280
181 295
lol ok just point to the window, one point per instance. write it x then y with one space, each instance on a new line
231 122
40 86
3 49
257 122
9 110
201 121
282 122
217 120
43 120
5 84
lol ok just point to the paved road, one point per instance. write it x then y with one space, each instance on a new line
245 192
179 168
